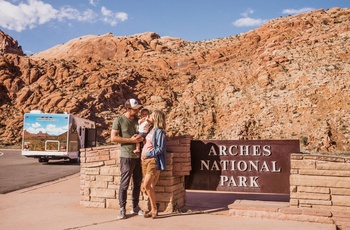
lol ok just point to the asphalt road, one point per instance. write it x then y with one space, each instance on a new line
18 172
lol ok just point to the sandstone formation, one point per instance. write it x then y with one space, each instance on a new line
288 79
9 45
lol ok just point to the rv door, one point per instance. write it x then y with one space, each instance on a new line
82 136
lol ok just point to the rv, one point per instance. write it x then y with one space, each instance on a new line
49 136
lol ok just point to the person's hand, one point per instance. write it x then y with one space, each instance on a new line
150 119
143 157
136 138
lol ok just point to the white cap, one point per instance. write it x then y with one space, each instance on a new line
132 104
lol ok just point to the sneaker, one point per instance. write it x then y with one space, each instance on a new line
137 211
122 214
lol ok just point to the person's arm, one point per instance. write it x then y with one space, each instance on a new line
115 137
159 147
148 119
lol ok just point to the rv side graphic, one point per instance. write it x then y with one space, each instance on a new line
56 136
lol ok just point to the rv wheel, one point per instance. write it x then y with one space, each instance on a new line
74 160
41 160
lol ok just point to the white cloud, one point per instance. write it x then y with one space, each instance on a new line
93 2
36 125
297 11
247 21
106 12
22 16
113 18
243 22
122 16
55 131
247 12
35 130
70 13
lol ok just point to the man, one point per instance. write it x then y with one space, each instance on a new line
124 131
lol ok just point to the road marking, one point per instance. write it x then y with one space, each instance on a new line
1 154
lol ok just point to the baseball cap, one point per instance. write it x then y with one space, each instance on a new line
132 104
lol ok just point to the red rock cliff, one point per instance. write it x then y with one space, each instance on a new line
288 79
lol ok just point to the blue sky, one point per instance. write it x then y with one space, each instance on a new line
38 25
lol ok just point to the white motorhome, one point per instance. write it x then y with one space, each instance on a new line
56 136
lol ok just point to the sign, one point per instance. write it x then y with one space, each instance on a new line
257 166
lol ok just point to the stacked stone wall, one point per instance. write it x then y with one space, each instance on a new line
320 182
100 177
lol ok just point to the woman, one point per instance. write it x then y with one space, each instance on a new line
153 158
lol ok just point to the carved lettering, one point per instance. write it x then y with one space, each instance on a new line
205 164
265 167
274 167
231 150
212 151
267 150
241 166
244 150
215 166
222 149
256 150
253 182
240 181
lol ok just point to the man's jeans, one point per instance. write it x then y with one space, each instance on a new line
130 167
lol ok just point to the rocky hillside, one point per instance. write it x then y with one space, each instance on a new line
288 79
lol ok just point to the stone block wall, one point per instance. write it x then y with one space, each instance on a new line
320 182
100 177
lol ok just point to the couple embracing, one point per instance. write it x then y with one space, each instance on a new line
133 163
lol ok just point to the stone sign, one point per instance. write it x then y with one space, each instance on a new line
257 166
